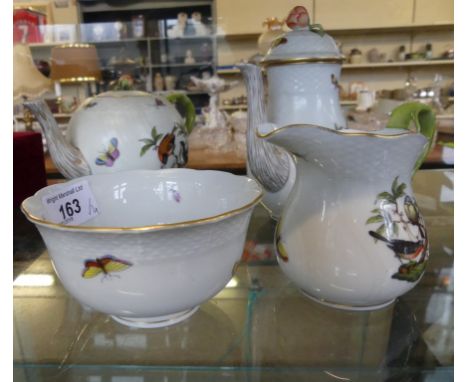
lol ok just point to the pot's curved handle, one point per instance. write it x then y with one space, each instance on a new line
424 119
188 106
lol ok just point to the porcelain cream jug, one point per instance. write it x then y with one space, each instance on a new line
119 130
302 68
350 233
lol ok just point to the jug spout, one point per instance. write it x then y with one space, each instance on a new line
67 158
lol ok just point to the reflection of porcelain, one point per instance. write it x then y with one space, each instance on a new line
351 234
163 243
119 130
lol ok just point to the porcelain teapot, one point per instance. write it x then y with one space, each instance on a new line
119 130
350 233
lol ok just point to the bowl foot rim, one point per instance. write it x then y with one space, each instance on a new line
155 322
347 307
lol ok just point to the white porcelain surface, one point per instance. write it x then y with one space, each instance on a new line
305 93
323 238
128 117
194 226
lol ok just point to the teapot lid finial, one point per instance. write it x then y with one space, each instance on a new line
298 18
305 43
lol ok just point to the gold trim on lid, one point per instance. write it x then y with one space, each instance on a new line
303 60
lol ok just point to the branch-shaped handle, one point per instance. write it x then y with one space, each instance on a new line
423 118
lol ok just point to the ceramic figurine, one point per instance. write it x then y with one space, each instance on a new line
158 82
170 82
355 56
214 85
200 28
178 30
189 57
119 130
401 53
274 29
350 234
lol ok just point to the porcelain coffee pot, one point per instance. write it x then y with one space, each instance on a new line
119 130
302 68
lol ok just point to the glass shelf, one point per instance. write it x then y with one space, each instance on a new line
259 328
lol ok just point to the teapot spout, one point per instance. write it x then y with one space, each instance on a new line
67 158
269 164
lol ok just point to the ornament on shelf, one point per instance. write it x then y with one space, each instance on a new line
178 30
274 30
200 28
189 57
213 86
158 82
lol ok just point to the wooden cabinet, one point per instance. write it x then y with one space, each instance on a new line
348 14
247 16
433 12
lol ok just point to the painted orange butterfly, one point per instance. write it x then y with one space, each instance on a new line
105 265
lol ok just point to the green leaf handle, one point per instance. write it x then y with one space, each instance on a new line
187 105
424 119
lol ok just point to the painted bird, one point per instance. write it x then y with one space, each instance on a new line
408 250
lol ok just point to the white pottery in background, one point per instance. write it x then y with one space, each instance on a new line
173 237
118 131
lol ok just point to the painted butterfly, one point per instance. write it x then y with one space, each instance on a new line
105 265
110 156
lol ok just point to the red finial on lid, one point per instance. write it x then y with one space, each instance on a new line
298 18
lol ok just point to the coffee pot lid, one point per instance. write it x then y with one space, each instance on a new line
304 43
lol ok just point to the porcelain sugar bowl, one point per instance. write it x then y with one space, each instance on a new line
117 131
156 244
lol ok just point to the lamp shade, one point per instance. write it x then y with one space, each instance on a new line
75 63
27 80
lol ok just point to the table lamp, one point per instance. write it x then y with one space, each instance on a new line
74 63
28 81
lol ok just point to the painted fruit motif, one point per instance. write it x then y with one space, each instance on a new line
298 18
165 146
401 228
